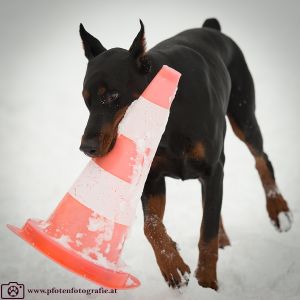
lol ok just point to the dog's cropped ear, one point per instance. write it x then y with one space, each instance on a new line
138 50
92 47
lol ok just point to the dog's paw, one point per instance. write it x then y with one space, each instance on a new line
174 270
284 221
176 277
206 278
213 284
280 215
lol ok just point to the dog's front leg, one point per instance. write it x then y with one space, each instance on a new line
212 190
172 266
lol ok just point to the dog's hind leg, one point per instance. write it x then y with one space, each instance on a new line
173 268
241 114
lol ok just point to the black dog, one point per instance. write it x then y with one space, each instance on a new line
215 82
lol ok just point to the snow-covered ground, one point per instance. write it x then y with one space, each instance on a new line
43 116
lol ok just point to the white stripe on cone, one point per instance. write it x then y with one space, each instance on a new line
104 193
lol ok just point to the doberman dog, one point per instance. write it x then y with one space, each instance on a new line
215 82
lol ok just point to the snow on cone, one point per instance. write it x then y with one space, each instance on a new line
87 230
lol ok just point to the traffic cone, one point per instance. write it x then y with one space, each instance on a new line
87 230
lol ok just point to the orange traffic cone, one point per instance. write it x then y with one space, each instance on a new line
87 230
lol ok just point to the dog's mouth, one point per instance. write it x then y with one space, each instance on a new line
107 143
110 133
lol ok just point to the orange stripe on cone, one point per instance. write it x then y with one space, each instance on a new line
120 161
162 93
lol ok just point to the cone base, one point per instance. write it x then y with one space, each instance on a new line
72 261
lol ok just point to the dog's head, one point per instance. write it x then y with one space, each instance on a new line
113 80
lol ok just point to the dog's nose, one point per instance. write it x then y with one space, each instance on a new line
90 147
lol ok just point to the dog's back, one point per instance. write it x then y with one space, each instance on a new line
203 56
206 51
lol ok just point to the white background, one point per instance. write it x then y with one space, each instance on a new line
43 117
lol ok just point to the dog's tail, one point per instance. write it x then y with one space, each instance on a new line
212 23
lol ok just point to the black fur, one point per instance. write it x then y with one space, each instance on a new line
215 82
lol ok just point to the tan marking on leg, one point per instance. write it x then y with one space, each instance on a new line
166 253
206 273
156 206
223 237
264 173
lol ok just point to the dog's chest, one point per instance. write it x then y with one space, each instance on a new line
182 166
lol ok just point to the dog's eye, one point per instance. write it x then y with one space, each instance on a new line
108 97
112 96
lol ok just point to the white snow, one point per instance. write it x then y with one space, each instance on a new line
285 221
43 116
184 278
272 193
